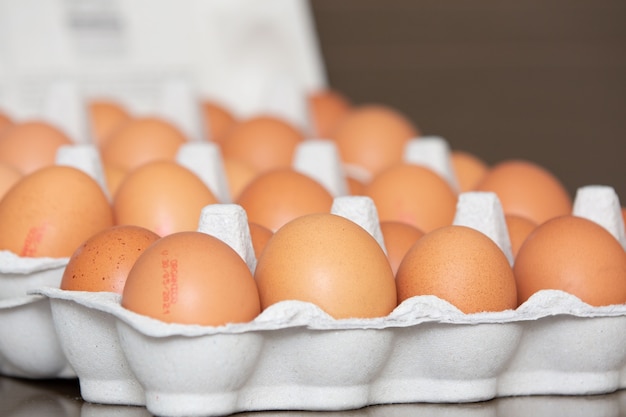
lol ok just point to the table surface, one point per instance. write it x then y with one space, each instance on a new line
61 398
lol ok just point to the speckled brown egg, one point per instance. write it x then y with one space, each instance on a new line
329 261
575 255
460 265
103 261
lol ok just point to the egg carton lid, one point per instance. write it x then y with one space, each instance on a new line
249 56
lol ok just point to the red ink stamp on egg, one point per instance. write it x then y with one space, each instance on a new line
32 241
169 281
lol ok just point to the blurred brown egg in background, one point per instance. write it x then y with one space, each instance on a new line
518 228
218 119
51 211
5 121
263 142
238 175
398 238
468 168
527 189
260 235
372 137
327 108
142 140
106 116
9 175
31 145
162 196
276 197
413 194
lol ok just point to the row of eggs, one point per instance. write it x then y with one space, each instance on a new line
291 211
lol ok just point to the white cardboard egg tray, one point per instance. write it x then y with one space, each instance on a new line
293 356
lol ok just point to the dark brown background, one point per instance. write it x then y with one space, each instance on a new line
542 80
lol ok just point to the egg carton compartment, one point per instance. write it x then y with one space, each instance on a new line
294 356
29 345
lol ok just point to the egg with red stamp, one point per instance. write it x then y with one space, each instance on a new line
192 278
51 211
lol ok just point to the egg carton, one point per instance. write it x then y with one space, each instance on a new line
29 345
237 52
294 356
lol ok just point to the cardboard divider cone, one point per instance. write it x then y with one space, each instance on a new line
320 160
64 106
205 160
432 152
179 104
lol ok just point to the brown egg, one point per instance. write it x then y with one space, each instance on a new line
329 261
192 278
276 197
460 265
238 175
519 228
259 235
575 255
398 238
528 190
218 119
103 261
355 186
327 108
142 140
162 196
106 117
263 142
50 212
468 169
113 176
413 194
5 121
31 145
9 175
373 137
